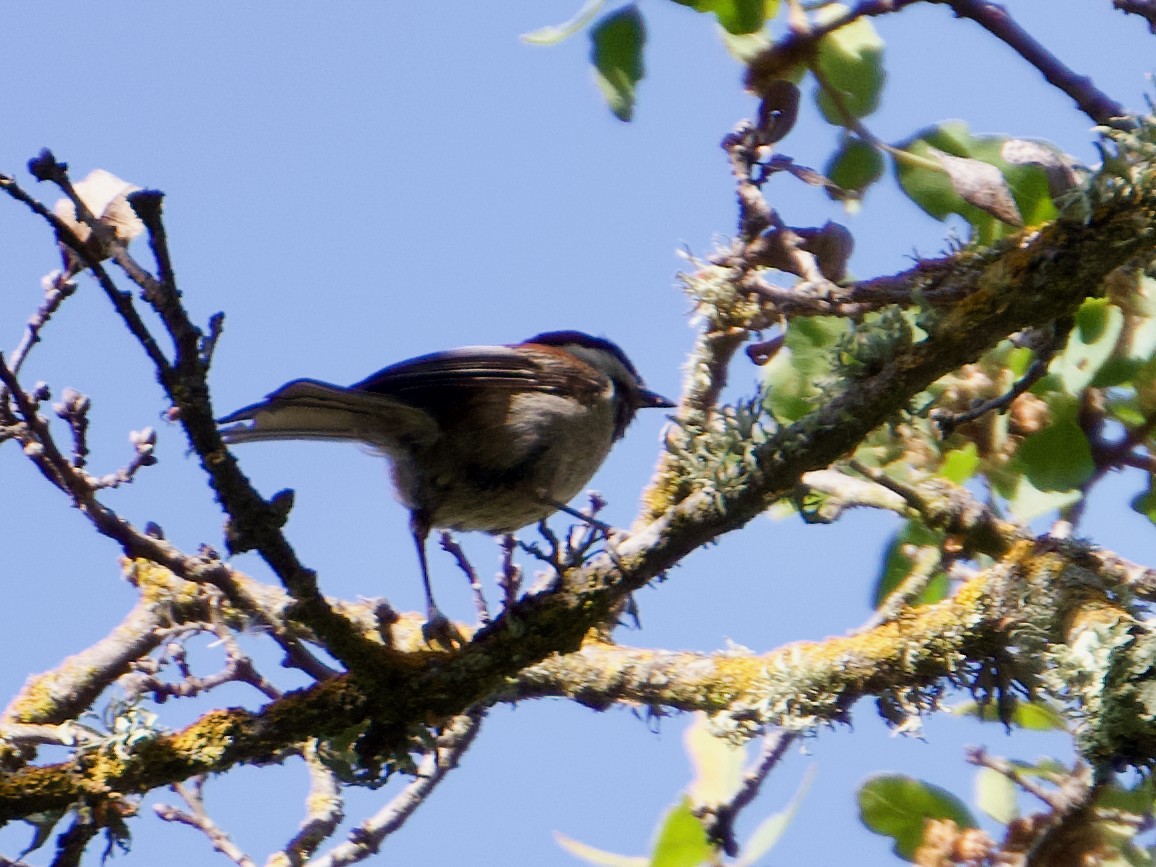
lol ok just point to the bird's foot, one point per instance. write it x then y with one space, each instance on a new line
440 630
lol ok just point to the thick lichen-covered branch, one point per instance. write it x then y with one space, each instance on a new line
1039 619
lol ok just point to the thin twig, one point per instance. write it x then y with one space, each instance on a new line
927 562
196 816
450 546
238 668
510 578
721 818
995 19
57 290
42 450
185 384
1146 9
1051 343
1057 800
365 840
324 810
121 301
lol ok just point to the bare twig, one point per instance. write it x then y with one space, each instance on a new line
121 301
1146 9
928 559
57 290
46 456
196 816
325 810
238 668
58 735
184 382
450 546
720 818
365 840
1054 799
510 578
1049 342
995 19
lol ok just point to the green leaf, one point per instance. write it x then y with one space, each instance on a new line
850 61
896 566
1145 503
926 181
682 840
745 47
1034 716
960 464
897 806
1139 799
1038 716
996 795
855 166
1019 359
1057 458
793 378
616 52
599 856
1098 325
553 34
737 17
718 764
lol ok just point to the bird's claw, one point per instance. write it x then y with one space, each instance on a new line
440 630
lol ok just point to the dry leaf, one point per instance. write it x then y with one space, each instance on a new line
980 184
106 196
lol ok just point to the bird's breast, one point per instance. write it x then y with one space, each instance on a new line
493 470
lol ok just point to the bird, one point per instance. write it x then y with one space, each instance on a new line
479 438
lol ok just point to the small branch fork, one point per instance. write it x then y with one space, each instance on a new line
1063 827
720 818
1146 9
238 668
184 381
42 450
195 815
801 43
366 839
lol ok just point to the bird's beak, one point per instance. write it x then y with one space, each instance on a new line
649 399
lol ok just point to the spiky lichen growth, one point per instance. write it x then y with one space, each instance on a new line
718 300
718 455
868 346
727 315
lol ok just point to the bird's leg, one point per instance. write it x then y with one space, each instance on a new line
437 625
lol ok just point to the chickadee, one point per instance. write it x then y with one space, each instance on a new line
488 438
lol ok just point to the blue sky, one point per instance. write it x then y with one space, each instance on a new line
357 183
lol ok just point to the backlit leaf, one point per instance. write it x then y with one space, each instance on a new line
850 61
682 840
737 17
995 794
616 52
855 165
898 806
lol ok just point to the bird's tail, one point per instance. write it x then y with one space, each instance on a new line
306 409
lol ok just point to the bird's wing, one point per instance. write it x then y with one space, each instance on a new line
462 371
